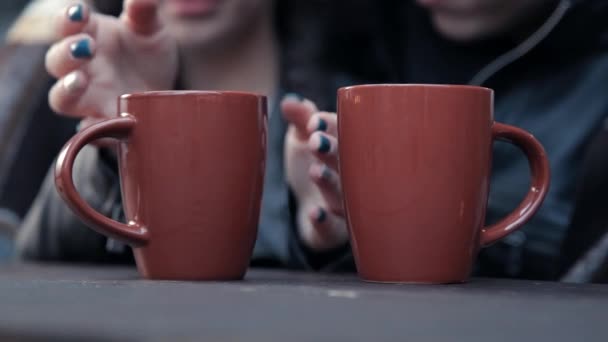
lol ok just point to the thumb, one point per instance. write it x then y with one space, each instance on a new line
141 16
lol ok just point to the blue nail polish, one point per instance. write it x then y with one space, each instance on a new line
322 126
76 13
325 145
325 173
293 96
81 49
322 215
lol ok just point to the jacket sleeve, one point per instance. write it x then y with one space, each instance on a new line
51 231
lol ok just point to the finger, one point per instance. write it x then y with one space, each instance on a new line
328 183
69 54
328 230
298 112
323 122
75 19
325 148
141 16
66 93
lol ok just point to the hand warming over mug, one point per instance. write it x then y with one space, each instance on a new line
311 148
101 57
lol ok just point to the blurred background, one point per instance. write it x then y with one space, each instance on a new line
14 65
9 10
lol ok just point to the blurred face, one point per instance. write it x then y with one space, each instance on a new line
467 20
203 23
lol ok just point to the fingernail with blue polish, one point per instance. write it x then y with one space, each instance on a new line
325 173
321 215
81 49
76 13
322 125
324 145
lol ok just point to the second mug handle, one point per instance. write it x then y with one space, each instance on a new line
132 233
539 168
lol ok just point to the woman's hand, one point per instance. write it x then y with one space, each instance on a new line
311 163
100 58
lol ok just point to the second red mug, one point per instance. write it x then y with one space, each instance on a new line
415 170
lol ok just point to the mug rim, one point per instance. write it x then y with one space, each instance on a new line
168 93
416 85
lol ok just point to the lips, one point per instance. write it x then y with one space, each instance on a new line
192 8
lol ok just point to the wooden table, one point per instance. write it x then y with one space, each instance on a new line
93 303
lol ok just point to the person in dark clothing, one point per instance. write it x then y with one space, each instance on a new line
548 64
545 59
235 45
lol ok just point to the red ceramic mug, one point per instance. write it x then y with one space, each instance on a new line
415 170
191 167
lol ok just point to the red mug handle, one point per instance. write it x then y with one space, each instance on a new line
539 168
132 233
